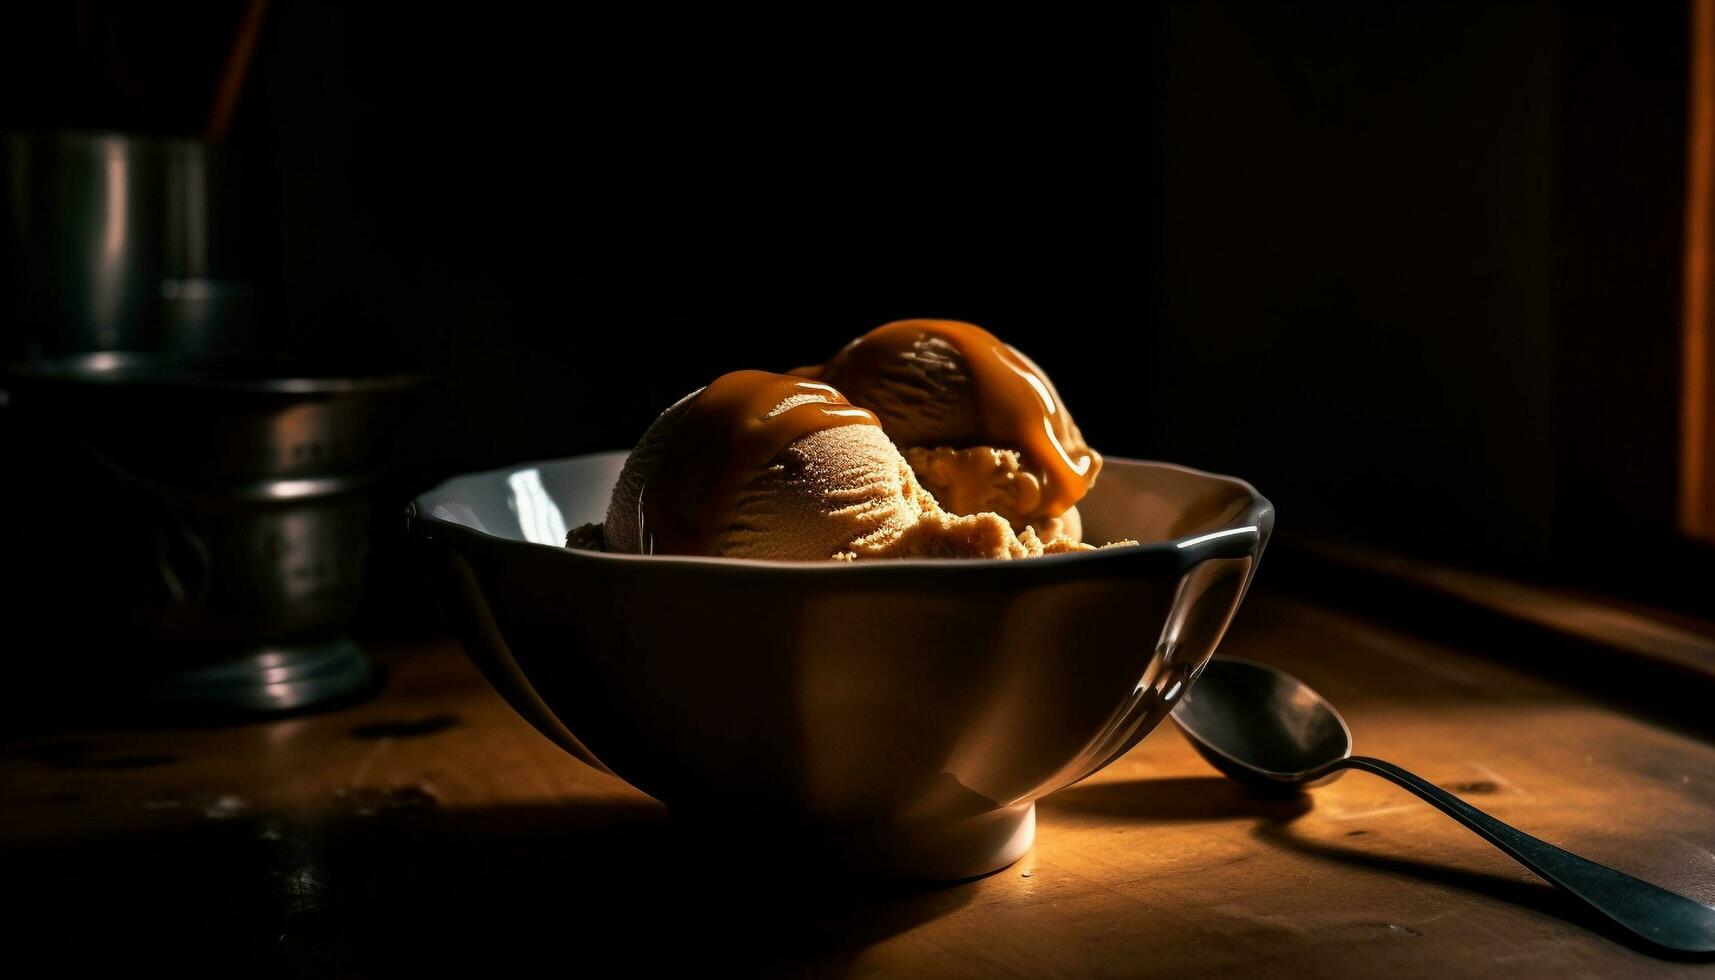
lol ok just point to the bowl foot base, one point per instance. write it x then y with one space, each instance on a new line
968 849
940 852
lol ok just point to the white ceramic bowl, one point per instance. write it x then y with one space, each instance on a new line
896 717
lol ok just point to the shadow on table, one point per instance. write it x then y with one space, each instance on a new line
1538 896
1175 800
1193 798
425 889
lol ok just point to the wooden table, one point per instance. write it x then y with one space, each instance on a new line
430 829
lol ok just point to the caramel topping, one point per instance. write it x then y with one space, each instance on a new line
728 435
1016 406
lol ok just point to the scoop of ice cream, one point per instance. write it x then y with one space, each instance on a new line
982 426
983 479
769 466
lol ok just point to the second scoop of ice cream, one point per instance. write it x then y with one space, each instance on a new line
981 425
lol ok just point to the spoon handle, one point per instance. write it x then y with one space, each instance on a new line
1652 913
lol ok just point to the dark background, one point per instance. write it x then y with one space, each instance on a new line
1412 269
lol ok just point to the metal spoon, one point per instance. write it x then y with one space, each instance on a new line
1267 729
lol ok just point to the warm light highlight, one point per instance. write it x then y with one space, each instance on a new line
1697 426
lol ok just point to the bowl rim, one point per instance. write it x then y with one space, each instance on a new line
1242 536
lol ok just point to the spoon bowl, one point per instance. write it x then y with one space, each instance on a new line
1292 740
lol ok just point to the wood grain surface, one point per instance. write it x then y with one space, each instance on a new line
430 830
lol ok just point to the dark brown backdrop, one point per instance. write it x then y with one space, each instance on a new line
1413 270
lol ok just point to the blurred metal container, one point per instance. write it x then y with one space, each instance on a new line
119 242
199 529
190 512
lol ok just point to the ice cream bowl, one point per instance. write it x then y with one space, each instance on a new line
892 718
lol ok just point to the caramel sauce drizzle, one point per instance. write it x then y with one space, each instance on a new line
727 436
1018 407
